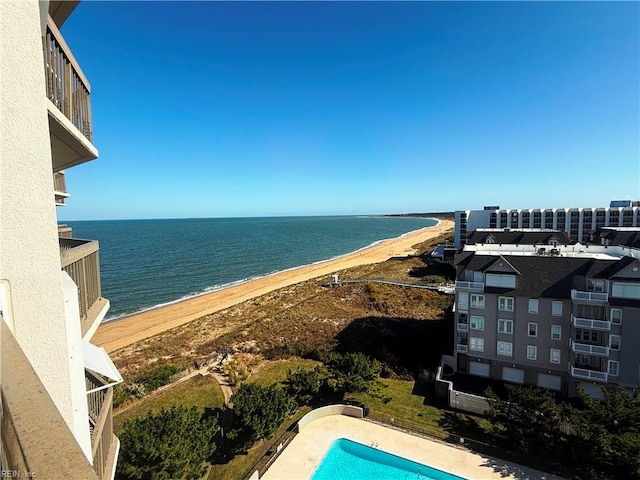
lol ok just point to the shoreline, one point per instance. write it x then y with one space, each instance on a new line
243 281
120 332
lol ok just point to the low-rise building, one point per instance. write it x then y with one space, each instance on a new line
562 318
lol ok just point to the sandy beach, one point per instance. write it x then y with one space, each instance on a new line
120 333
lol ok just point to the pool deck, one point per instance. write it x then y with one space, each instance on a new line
300 458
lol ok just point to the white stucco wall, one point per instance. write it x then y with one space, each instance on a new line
29 252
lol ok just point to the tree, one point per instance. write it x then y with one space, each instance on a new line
304 384
352 372
258 412
529 418
608 432
171 443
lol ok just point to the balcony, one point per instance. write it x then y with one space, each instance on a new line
587 349
462 348
35 438
463 327
104 444
68 103
590 323
587 374
79 258
463 285
589 297
59 188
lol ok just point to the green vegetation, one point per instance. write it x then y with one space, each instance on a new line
172 443
257 413
351 372
202 392
277 371
597 435
304 384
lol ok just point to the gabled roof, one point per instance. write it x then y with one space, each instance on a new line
610 236
502 265
519 237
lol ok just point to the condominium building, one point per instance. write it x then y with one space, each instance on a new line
576 222
56 387
562 317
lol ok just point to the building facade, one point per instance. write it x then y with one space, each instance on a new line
562 318
56 387
577 223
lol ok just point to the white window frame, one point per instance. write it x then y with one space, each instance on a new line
555 355
532 352
535 325
504 349
503 322
611 337
556 308
596 285
505 304
476 344
559 328
533 306
625 290
611 316
476 300
611 370
476 318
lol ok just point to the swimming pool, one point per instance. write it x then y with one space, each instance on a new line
348 460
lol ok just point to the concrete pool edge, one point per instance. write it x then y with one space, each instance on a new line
317 433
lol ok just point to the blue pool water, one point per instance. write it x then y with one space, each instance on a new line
347 460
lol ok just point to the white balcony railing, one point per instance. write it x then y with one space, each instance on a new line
588 374
599 297
587 349
462 348
590 323
463 327
469 285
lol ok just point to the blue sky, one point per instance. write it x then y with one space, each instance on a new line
225 109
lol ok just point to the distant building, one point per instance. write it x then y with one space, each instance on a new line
56 387
577 223
562 318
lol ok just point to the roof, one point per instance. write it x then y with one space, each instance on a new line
546 276
519 237
612 236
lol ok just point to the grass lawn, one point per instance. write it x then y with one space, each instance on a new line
199 391
410 411
239 466
276 371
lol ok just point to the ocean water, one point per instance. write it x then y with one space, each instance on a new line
147 263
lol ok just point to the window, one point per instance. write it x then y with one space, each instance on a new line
614 342
613 368
505 326
616 316
533 329
625 290
505 349
532 352
595 285
476 301
501 280
476 344
554 356
533 306
556 332
505 304
476 323
463 300
556 308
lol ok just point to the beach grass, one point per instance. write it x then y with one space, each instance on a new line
200 391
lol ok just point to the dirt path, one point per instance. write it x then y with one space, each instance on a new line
118 334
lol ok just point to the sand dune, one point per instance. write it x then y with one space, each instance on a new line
120 333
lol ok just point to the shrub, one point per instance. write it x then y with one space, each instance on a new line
159 376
